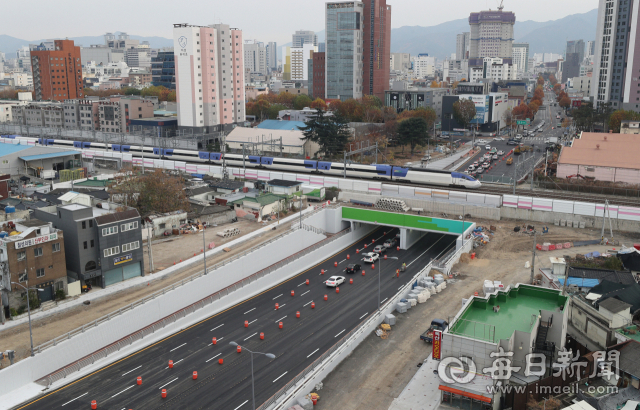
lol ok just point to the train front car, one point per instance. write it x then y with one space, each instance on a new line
463 180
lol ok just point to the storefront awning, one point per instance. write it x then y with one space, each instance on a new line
465 394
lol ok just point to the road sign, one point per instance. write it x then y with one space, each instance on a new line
522 122
528 121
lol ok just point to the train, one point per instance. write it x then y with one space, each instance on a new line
421 176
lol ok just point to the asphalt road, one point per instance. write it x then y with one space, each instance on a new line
500 171
296 346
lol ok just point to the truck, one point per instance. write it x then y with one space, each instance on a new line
436 324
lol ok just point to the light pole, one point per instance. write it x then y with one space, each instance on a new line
269 355
204 249
29 309
379 268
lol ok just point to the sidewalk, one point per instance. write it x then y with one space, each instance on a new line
97 294
448 161
422 391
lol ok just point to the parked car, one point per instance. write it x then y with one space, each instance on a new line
334 281
370 257
486 165
379 249
436 324
512 142
352 268
390 243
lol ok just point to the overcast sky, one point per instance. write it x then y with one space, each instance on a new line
265 20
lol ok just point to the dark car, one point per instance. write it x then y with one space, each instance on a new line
512 142
352 268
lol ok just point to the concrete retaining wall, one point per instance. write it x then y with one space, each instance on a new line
84 344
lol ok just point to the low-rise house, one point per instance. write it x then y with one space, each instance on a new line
211 214
260 206
284 187
167 222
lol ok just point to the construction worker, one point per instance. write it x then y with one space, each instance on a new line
398 273
404 266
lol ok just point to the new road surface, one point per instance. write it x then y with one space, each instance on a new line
300 341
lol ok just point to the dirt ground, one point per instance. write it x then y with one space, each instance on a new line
49 327
378 370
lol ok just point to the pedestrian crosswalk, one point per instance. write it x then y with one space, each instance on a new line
534 138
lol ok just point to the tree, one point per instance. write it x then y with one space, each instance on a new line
428 114
533 106
565 102
556 88
274 110
464 111
161 193
584 117
413 131
301 101
561 95
522 112
171 97
616 118
540 80
318 103
131 91
330 133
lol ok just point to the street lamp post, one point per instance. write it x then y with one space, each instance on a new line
269 355
29 310
379 268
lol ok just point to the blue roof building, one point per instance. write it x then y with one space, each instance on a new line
281 125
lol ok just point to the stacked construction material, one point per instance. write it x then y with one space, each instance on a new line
438 278
391 204
488 287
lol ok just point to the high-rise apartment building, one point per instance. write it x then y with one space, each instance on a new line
424 66
400 61
344 28
295 62
462 45
616 65
255 57
591 48
577 47
302 37
272 56
57 73
209 75
520 55
376 47
317 80
491 36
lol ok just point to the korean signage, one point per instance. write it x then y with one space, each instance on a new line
437 341
35 241
123 259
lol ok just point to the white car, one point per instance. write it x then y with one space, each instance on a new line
334 281
488 147
498 139
500 153
370 257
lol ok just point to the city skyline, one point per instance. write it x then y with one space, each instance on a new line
242 16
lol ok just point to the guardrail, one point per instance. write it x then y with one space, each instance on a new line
109 316
106 351
345 340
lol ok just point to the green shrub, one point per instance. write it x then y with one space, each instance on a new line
60 295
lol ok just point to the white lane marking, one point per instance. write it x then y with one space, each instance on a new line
253 321
168 383
315 351
283 305
245 402
400 287
75 399
249 311
174 363
305 293
175 348
340 333
213 357
280 376
130 387
301 284
132 370
307 303
411 263
363 315
250 336
384 300
341 261
280 319
216 327
277 296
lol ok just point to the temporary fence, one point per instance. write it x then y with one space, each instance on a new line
142 333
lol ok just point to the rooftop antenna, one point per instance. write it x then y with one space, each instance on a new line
501 6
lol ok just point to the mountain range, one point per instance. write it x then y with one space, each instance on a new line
439 40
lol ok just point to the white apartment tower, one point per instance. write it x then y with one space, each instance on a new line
520 55
491 35
462 45
209 64
255 57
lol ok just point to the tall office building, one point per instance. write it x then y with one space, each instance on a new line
591 48
163 69
491 36
209 75
376 47
424 66
272 56
616 66
57 72
302 37
344 25
520 55
255 57
577 47
462 45
400 61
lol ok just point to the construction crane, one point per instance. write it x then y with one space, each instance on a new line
501 6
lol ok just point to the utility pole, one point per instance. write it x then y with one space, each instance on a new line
533 256
244 168
515 177
204 250
566 278
533 166
150 249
